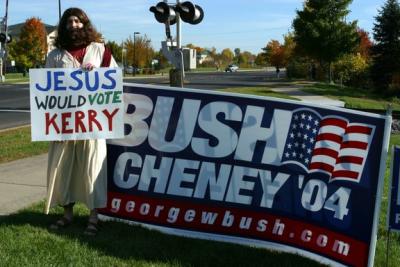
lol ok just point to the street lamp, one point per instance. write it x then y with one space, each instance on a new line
134 52
123 51
147 53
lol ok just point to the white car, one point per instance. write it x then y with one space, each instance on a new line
231 68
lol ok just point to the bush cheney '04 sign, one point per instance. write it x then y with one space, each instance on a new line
275 173
72 104
394 196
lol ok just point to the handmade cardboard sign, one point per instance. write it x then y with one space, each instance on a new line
73 104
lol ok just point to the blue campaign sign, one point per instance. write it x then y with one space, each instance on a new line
269 172
394 198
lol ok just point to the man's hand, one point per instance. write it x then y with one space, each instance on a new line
88 67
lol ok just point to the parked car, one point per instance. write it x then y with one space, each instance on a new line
231 68
129 70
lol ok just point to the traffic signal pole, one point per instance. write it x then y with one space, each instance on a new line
169 15
177 75
7 39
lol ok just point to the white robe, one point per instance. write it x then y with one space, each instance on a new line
77 170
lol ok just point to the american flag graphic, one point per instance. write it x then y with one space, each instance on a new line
329 144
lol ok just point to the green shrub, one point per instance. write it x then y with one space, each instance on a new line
352 70
298 68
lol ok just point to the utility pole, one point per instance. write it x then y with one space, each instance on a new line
134 53
4 39
177 74
59 9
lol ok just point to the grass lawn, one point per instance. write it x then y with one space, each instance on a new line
353 97
16 144
26 241
16 77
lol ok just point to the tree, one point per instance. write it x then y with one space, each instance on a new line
162 62
31 48
116 50
215 56
198 49
274 54
289 47
260 60
322 33
227 56
386 51
364 49
247 58
238 59
139 50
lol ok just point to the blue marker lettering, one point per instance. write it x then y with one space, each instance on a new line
58 82
107 75
96 81
74 75
47 88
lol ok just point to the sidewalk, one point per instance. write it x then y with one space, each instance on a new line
22 183
294 91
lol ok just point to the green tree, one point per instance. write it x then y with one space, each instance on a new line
322 32
386 51
215 56
31 47
116 50
162 62
289 47
351 69
247 58
227 56
139 50
260 59
238 59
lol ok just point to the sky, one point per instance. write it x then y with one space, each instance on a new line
245 24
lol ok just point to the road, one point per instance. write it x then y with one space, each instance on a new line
14 100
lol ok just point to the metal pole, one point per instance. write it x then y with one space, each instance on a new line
134 52
3 47
59 9
179 45
122 57
6 18
134 55
178 28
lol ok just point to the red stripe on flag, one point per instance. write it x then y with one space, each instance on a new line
354 144
330 137
359 129
325 152
346 174
321 166
350 159
334 122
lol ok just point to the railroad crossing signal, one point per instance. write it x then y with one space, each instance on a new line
5 38
188 12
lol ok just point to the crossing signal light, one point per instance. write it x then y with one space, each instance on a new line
5 38
164 13
190 12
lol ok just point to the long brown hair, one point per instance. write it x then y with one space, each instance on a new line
63 40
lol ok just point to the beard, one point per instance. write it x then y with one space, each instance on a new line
77 38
